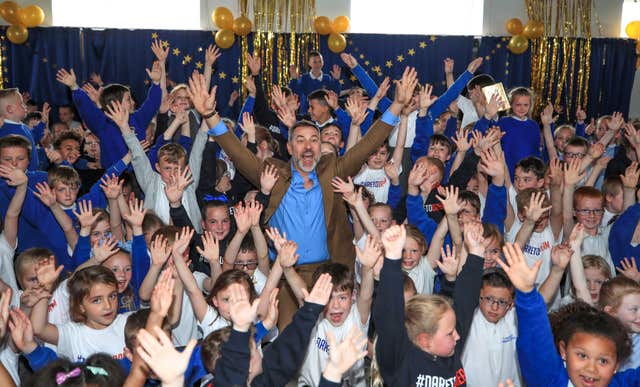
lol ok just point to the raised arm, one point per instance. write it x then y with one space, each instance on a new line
15 178
578 279
572 176
48 198
546 117
180 246
560 257
371 254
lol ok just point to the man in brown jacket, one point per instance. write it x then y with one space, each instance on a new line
302 203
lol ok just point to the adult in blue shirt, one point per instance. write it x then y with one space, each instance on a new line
302 202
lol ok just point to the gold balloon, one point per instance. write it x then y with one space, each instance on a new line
337 43
633 29
242 26
9 12
514 26
340 24
17 34
518 44
225 38
534 29
223 18
322 25
31 16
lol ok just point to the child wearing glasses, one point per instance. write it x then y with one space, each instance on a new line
489 356
585 205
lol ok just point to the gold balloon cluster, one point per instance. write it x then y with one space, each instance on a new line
20 19
324 26
229 27
633 29
519 42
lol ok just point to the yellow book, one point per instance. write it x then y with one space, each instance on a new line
498 89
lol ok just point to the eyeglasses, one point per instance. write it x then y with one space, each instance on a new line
490 301
249 265
586 211
571 155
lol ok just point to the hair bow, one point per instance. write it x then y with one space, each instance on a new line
97 370
221 198
62 377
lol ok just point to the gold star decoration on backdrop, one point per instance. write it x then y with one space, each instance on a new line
400 58
411 52
353 78
154 35
222 75
235 79
433 38
377 69
361 56
366 63
389 64
187 58
341 81
198 65
45 60
422 44
165 43
176 51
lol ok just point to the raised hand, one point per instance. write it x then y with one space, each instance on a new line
357 111
233 97
177 184
119 114
491 107
287 256
45 194
335 72
159 250
270 320
136 213
591 128
254 64
321 291
287 116
111 186
535 209
392 172
277 238
242 218
4 311
580 115
162 357
616 121
393 240
561 256
101 251
183 238
293 72
425 99
211 55
250 84
349 60
372 252
406 85
546 117
474 64
67 78
450 200
492 165
473 240
47 274
572 174
268 178
521 275
449 263
344 355
46 109
461 140
341 186
162 295
448 65
247 125
332 99
629 269
631 176
21 331
278 97
383 88
14 176
30 297
204 101
355 198
53 155
243 313
155 74
254 210
577 236
210 248
160 52
418 174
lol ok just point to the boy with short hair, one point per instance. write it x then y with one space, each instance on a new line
489 355
315 79
13 111
67 151
340 316
171 169
65 112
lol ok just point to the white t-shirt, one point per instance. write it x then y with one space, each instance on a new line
489 355
259 280
188 326
469 112
599 245
538 247
77 341
59 305
376 181
423 276
212 321
7 271
411 131
8 358
606 217
318 352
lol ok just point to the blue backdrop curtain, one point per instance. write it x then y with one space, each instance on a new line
122 55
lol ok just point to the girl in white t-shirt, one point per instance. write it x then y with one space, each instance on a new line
96 325
415 263
212 313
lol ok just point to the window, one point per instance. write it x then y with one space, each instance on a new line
138 14
427 17
630 12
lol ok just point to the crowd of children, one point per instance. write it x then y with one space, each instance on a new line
326 237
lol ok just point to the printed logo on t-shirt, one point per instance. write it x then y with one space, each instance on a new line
532 250
322 344
118 356
434 381
508 339
435 207
52 305
374 183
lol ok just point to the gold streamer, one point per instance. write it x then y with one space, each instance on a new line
2 53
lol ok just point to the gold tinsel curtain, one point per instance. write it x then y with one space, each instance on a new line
270 19
560 59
